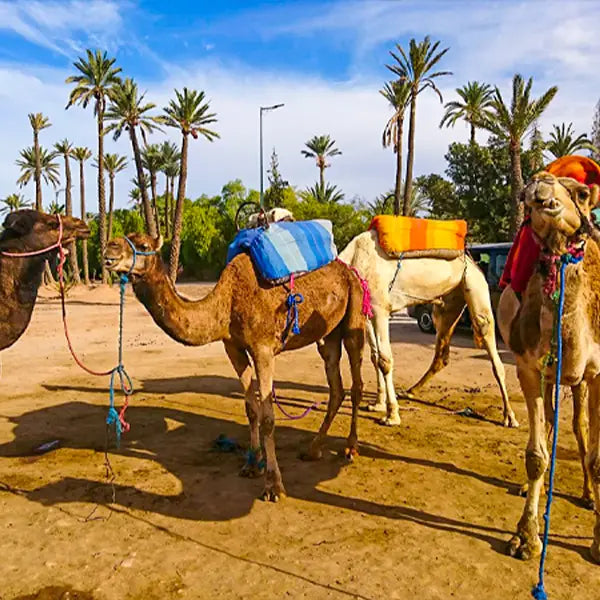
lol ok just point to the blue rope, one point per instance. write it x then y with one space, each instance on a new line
292 302
125 381
398 267
538 592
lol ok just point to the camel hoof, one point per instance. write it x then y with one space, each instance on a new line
311 455
379 407
406 394
350 453
522 491
595 552
273 494
251 471
524 549
510 421
390 421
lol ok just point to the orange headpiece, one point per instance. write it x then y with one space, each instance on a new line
580 168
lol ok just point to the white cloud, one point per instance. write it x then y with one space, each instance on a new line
55 25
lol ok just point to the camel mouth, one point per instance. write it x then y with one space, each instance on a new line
552 211
111 263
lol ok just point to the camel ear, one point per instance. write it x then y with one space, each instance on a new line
594 195
159 243
20 223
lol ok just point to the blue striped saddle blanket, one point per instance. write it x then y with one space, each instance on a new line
284 249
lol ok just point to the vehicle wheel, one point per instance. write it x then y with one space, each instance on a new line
425 321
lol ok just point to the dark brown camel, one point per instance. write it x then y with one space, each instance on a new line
249 316
20 278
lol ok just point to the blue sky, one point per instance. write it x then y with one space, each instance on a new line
324 60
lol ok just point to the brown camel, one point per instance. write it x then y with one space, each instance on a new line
249 317
20 277
560 214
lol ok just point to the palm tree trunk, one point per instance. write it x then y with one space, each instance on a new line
155 202
472 133
172 215
84 253
167 208
411 155
111 206
38 172
69 211
178 221
148 216
101 191
516 187
398 188
322 174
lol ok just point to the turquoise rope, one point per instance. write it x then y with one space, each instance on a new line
538 592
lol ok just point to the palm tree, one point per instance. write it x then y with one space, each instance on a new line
474 106
327 194
319 148
383 204
38 122
128 111
537 145
65 147
397 93
563 142
81 154
114 164
54 208
512 124
135 197
415 68
31 163
97 75
188 113
152 162
14 202
170 158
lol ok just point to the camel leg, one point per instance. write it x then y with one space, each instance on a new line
593 458
549 418
264 363
445 319
239 359
354 343
477 296
580 429
380 405
385 363
331 352
526 543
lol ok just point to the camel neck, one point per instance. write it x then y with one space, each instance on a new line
190 322
20 279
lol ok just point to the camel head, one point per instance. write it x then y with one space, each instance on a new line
29 230
560 208
119 256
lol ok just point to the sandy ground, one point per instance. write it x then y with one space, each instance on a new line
424 512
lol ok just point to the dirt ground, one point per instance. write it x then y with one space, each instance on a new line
424 512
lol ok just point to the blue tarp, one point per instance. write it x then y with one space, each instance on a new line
284 248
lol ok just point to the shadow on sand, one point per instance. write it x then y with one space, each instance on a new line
180 442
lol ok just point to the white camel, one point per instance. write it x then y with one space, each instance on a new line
396 284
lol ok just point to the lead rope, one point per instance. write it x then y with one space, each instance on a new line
538 592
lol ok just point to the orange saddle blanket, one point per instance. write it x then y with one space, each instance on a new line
403 234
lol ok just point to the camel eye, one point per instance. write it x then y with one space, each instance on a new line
583 195
145 247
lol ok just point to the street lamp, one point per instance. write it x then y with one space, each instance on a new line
263 109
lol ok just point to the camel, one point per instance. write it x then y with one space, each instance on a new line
20 277
396 284
249 317
560 210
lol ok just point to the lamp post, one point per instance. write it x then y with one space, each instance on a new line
263 109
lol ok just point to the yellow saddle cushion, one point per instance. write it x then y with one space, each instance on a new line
402 234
